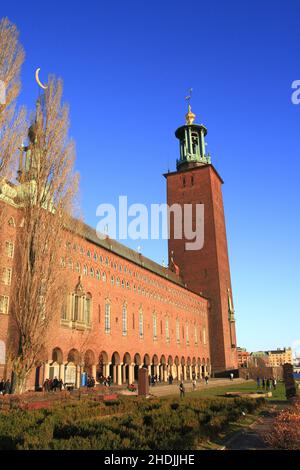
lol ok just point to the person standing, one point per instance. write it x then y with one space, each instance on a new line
231 376
194 383
182 390
263 383
206 380
7 387
1 386
274 383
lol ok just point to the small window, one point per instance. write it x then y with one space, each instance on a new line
95 256
127 285
7 274
92 272
4 301
141 324
104 277
9 249
123 283
70 263
77 267
112 280
85 270
107 318
118 281
11 222
124 320
98 276
63 262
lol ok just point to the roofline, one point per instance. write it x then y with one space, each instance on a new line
142 258
195 168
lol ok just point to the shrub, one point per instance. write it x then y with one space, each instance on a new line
285 433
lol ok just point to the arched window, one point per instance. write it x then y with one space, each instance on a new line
124 320
112 280
167 330
92 272
104 276
70 263
123 283
107 317
88 309
187 333
196 334
11 222
77 267
177 330
118 281
141 323
154 326
88 254
98 275
85 270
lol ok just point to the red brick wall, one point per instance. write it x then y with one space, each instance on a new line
177 303
206 270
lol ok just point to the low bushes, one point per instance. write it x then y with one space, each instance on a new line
285 432
163 424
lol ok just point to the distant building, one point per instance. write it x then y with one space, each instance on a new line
243 357
258 359
272 358
278 357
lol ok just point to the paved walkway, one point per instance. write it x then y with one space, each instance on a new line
252 438
160 390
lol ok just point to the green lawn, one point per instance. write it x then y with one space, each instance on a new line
250 386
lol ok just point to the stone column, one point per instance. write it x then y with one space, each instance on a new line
119 374
165 373
184 373
46 371
191 372
94 371
78 372
62 372
130 373
106 369
124 373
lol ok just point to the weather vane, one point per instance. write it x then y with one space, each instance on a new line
189 96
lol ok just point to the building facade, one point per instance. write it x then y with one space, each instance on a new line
125 311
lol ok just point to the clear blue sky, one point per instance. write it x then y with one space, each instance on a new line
126 68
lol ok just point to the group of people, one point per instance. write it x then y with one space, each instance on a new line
266 383
52 385
107 381
5 387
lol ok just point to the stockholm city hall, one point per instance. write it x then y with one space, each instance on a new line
126 311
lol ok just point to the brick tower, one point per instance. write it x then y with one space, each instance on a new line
205 270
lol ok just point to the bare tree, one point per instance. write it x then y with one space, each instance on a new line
12 123
47 200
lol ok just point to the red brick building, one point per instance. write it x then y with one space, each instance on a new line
126 311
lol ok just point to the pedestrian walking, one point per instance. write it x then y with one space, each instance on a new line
274 383
206 380
231 376
182 390
194 384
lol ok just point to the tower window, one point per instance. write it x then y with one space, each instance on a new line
192 181
183 182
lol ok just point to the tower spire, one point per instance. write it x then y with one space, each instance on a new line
191 138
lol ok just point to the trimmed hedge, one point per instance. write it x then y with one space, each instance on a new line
124 424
